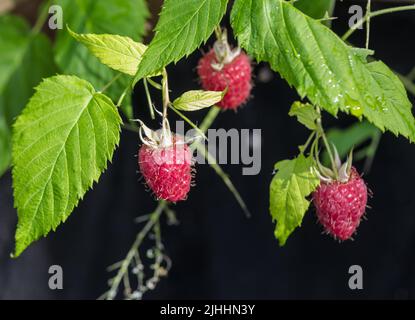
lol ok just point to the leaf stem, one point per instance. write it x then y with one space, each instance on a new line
326 143
154 84
212 162
409 85
43 16
149 102
111 82
165 93
368 11
122 97
194 126
218 32
209 118
411 75
305 146
371 150
374 14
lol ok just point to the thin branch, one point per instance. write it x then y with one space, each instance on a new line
411 75
374 14
111 82
368 11
149 101
124 269
194 126
43 16
409 85
212 162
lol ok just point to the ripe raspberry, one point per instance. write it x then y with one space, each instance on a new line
235 75
167 170
340 205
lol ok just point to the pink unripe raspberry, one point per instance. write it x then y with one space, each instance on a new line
235 76
340 206
167 170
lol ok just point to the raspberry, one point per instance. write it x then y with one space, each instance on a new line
167 170
341 205
234 75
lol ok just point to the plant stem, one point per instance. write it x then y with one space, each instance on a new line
368 11
43 16
305 146
371 151
409 85
124 269
411 75
374 14
212 162
218 32
326 143
154 84
149 102
189 122
122 97
209 118
109 84
165 93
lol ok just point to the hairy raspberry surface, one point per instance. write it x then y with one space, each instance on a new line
340 206
167 171
235 75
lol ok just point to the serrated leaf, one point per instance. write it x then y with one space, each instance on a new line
294 181
183 26
117 52
5 146
322 67
316 9
306 114
25 59
197 99
121 17
61 144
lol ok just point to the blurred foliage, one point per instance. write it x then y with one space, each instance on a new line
25 58
27 55
316 8
352 137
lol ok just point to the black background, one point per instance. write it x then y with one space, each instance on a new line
217 253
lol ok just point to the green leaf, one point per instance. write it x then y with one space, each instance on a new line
25 59
117 52
61 144
306 114
316 9
121 17
183 26
294 181
197 99
350 138
322 67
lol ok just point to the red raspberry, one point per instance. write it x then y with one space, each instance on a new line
235 75
167 170
340 206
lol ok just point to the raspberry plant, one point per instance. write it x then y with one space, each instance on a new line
60 132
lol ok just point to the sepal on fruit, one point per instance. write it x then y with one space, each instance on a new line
224 53
342 170
160 138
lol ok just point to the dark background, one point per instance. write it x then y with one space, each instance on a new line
217 253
